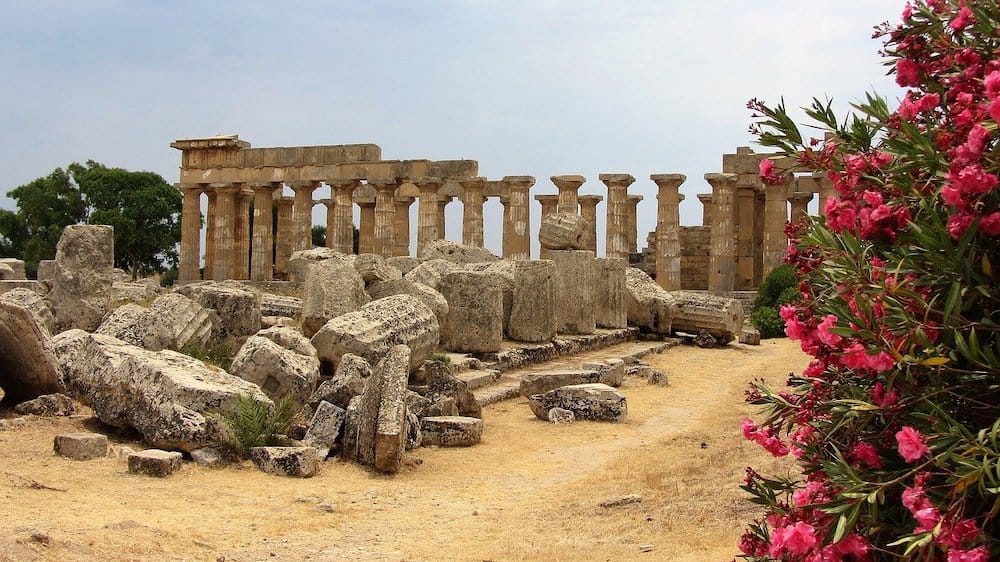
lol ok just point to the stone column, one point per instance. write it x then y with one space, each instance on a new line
190 255
303 214
241 235
342 235
442 202
428 227
775 217
385 216
366 235
213 204
568 187
285 237
472 214
632 235
517 218
825 189
330 219
225 212
616 239
722 254
668 230
588 209
262 259
706 209
549 205
800 205
746 224
403 226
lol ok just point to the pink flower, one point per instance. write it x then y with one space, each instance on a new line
908 11
978 554
799 538
768 174
927 519
958 224
972 179
992 83
990 224
852 546
906 73
882 398
854 357
866 454
911 444
881 362
963 19
994 110
951 196
824 333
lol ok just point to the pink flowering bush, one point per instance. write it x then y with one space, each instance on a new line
895 423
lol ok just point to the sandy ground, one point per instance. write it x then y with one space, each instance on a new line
529 491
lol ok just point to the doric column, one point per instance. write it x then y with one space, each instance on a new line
722 253
241 235
385 212
800 205
472 213
403 226
706 208
825 189
549 205
262 258
775 218
568 187
190 255
330 219
746 226
668 235
285 237
632 234
225 211
517 218
213 199
366 236
428 227
442 202
616 227
588 209
342 235
303 214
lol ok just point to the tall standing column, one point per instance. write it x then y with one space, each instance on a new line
342 235
706 208
241 235
385 212
213 207
403 226
224 213
472 213
775 218
668 235
366 236
588 209
549 205
331 218
800 205
616 235
190 234
517 218
262 257
632 234
722 254
745 213
303 214
442 202
285 237
428 227
568 187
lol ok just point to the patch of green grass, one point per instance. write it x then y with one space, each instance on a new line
210 354
255 424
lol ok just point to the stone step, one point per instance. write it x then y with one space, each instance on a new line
497 392
478 378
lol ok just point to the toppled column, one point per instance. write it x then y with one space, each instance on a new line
475 312
402 226
799 201
588 210
261 262
574 291
428 227
775 218
533 316
517 218
722 254
632 224
568 187
285 237
225 209
241 235
385 213
472 217
303 214
366 234
342 234
616 244
610 307
668 241
706 210
562 231
549 204
649 307
190 254
696 312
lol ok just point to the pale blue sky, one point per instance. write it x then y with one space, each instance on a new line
526 88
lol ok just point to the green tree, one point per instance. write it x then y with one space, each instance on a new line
319 236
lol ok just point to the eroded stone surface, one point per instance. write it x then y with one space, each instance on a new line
81 446
475 312
429 296
155 462
595 402
575 270
562 231
533 316
26 298
390 429
347 382
373 268
28 366
649 306
456 253
537 383
281 361
451 431
82 277
610 306
302 261
333 287
299 462
48 405
237 310
430 272
324 428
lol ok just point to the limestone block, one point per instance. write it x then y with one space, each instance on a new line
237 310
451 431
46 272
649 306
81 284
128 292
562 231
324 428
164 395
504 270
48 405
404 264
372 331
6 272
347 382
610 372
81 446
537 383
449 393
575 273
298 462
34 286
456 253
16 267
390 429
207 456
429 296
373 268
610 308
333 287
31 300
475 312
595 402
750 336
720 316
281 361
414 436
559 416
155 462
302 261
430 272
28 366
533 316
172 321
280 305
135 324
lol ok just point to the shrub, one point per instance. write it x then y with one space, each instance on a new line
217 356
256 424
767 322
781 282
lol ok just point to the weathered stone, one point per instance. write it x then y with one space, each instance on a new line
475 312
281 361
621 501
352 427
562 231
504 271
373 268
207 456
595 402
456 253
81 284
16 267
46 272
451 431
155 462
28 367
237 310
390 430
610 372
48 405
26 298
610 307
372 331
299 462
185 321
134 324
574 290
324 428
537 383
533 316
347 382
302 261
166 396
280 305
444 406
429 296
750 336
430 272
657 377
6 272
81 446
414 435
34 286
720 316
332 288
649 306
404 263
705 339
443 385
559 415
140 293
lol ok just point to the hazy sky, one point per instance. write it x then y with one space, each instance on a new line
526 88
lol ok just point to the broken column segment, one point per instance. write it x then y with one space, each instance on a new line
533 316
574 291
475 312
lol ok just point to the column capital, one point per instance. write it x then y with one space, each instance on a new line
401 199
385 182
365 204
328 203
427 182
342 182
800 197
668 180
519 182
546 198
714 179
309 186
616 180
634 198
595 199
705 198
472 183
568 181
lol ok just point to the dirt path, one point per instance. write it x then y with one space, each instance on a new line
529 491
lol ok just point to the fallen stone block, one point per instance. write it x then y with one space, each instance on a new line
281 361
302 261
575 271
373 268
81 283
155 462
451 431
648 306
610 301
48 405
28 366
390 429
562 231
333 287
430 272
404 264
237 310
750 336
559 415
533 315
694 313
595 402
475 312
537 383
429 296
16 267
35 303
456 253
324 428
81 446
207 456
610 372
347 382
299 462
